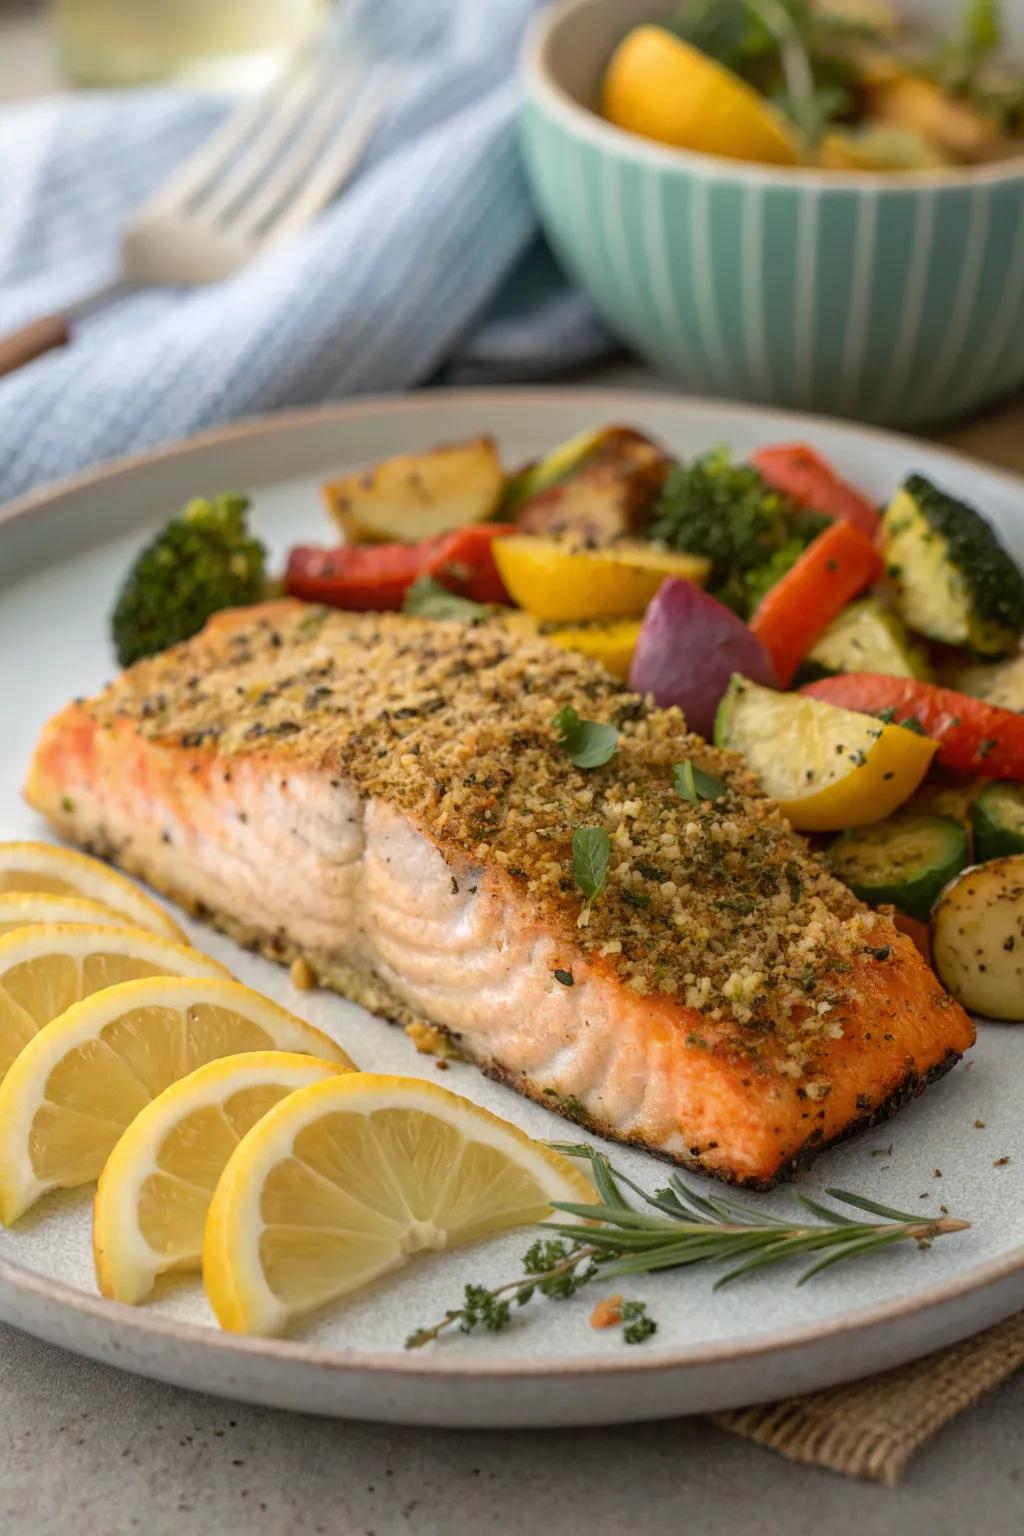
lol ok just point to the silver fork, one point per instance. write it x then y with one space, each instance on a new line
266 172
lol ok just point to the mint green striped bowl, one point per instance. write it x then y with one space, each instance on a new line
896 299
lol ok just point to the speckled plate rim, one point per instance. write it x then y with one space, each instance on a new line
33 1288
542 82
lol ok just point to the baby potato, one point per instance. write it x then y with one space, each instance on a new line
978 938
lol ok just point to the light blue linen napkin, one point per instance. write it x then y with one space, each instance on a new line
428 265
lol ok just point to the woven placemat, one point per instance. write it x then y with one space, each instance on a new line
872 1428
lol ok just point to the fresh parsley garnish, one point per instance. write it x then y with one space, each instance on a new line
591 849
428 599
695 785
587 743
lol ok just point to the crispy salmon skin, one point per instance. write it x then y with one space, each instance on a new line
387 797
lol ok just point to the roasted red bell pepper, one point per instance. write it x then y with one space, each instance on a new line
463 561
974 737
376 577
838 565
809 480
360 577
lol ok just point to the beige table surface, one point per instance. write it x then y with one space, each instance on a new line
88 1451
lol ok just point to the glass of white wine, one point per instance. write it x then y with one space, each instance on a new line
219 43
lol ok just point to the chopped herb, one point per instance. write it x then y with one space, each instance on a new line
692 784
881 953
565 977
637 898
428 599
587 743
66 803
652 872
912 723
636 1325
987 747
591 850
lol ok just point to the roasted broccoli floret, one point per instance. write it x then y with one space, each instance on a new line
204 560
751 533
953 579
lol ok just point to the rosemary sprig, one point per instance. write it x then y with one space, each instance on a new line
677 1226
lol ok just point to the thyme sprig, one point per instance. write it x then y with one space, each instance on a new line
677 1226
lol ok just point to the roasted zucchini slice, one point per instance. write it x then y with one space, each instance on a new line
997 818
905 862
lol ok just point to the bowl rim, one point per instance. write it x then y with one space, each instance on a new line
538 75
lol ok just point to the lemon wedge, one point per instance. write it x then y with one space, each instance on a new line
49 966
662 88
21 909
157 1183
62 871
80 1083
344 1181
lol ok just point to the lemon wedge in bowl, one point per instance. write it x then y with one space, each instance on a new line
62 871
81 1081
344 1181
47 967
665 89
157 1184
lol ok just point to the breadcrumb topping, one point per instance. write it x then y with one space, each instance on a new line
718 907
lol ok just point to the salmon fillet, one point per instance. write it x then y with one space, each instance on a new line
387 797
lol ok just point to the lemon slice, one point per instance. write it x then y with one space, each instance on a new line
21 909
828 768
78 1085
343 1181
658 86
44 867
49 966
157 1184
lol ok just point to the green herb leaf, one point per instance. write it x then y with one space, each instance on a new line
591 850
695 785
672 1229
587 743
565 977
428 599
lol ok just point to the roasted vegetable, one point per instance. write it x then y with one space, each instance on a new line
978 938
839 564
905 862
998 682
415 496
203 561
564 581
801 473
974 737
997 820
376 577
951 126
609 641
828 768
728 512
689 649
599 486
952 578
868 637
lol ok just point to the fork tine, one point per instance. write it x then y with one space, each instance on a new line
296 162
216 152
333 168
264 146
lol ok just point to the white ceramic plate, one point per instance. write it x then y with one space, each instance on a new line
62 554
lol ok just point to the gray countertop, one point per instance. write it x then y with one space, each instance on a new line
84 1448
87 1449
